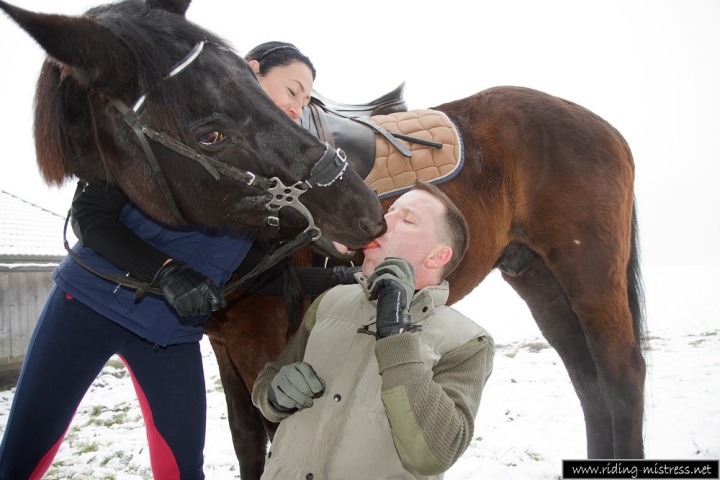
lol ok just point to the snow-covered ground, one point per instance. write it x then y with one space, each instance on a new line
529 419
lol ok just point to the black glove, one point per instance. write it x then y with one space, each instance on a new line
187 290
344 275
315 281
393 284
294 387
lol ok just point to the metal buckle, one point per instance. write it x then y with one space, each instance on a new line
252 178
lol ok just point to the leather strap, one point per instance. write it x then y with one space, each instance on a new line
131 118
141 287
321 123
387 135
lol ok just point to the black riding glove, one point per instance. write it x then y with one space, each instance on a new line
188 291
393 284
313 280
294 387
345 275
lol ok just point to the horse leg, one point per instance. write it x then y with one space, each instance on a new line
251 331
621 367
246 424
587 316
525 271
602 306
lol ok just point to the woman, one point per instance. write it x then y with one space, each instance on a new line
285 74
87 319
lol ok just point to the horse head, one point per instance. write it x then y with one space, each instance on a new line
134 94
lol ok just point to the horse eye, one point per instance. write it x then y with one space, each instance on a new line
211 138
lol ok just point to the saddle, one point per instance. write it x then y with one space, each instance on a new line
391 146
391 102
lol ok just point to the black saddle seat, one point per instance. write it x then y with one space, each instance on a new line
391 102
345 125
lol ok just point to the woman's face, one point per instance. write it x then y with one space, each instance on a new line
289 86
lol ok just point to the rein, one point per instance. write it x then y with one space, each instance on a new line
141 287
329 168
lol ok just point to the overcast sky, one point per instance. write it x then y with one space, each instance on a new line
651 68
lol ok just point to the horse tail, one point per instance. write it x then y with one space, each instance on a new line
635 286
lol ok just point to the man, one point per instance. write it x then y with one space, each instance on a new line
382 380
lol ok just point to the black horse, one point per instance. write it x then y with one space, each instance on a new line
134 94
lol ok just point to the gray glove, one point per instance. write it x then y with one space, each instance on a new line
294 387
393 284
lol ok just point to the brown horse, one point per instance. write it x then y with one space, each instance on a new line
547 190
134 94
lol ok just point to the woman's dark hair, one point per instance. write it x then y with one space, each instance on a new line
274 54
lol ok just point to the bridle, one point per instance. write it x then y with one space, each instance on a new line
329 168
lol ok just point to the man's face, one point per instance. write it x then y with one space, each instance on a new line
411 231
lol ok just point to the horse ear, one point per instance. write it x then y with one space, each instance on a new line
90 52
178 7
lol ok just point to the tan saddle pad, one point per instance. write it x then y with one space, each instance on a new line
394 173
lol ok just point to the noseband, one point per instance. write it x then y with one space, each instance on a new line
329 168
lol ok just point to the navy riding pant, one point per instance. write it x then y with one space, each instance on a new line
69 348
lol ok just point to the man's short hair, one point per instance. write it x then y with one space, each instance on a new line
452 228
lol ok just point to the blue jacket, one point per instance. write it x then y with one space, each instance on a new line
215 252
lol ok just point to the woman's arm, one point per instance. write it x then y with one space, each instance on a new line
96 222
96 212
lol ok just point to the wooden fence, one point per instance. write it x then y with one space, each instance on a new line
23 292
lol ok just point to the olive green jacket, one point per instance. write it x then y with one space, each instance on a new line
402 407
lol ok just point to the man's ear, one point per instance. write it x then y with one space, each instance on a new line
442 256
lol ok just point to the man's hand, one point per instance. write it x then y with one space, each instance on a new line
393 283
294 387
187 290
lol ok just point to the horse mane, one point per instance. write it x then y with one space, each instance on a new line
65 127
